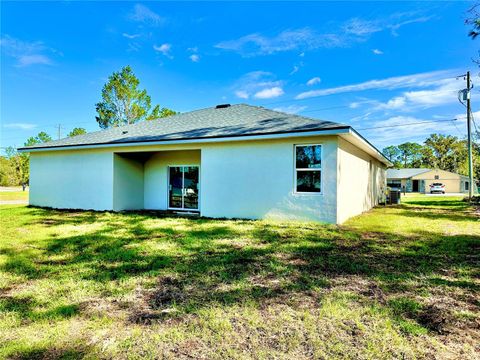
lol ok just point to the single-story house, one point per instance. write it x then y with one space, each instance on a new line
419 180
237 161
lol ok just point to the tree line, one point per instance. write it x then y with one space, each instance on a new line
445 152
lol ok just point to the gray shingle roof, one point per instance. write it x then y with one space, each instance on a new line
236 120
404 173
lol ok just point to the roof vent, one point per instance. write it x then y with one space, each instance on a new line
222 106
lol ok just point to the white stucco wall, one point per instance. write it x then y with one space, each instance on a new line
81 179
255 179
156 175
238 179
361 181
127 183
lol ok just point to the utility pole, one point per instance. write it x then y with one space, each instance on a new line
469 141
59 133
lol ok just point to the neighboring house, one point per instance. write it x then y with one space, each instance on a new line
419 180
236 161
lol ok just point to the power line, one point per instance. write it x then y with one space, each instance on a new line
407 124
309 98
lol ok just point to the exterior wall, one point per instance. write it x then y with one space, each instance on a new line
241 179
156 175
255 179
361 181
127 183
80 179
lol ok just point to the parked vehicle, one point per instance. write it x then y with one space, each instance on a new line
437 187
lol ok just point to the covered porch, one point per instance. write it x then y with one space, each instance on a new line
157 180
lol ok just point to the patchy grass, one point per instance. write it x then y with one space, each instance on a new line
14 195
397 282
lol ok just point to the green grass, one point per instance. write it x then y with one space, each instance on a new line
14 195
397 282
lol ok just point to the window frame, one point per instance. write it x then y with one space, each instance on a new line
295 170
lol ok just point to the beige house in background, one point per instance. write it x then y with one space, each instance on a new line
419 180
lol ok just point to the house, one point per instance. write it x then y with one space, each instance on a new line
237 161
419 180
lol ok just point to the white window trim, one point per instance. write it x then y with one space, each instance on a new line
305 193
168 187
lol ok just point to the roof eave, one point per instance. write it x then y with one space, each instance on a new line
248 137
358 140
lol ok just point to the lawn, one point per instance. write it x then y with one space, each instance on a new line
397 282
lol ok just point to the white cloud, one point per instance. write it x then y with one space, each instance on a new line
442 92
291 109
195 57
395 103
287 40
164 49
21 126
295 69
27 60
314 81
360 27
396 82
377 52
398 129
396 26
355 30
130 36
253 82
27 53
241 94
269 93
143 14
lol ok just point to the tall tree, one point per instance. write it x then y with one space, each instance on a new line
77 131
442 152
393 154
41 137
410 154
124 103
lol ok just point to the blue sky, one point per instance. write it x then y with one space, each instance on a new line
367 64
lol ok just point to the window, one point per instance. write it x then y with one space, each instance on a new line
396 184
437 177
466 185
308 168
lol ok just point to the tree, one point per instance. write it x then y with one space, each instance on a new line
404 155
410 154
41 137
393 153
17 172
5 172
124 103
443 152
473 21
77 131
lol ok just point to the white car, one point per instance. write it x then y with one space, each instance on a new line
437 187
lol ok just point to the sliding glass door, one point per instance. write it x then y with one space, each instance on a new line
183 187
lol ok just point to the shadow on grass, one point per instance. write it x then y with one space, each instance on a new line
231 262
54 352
